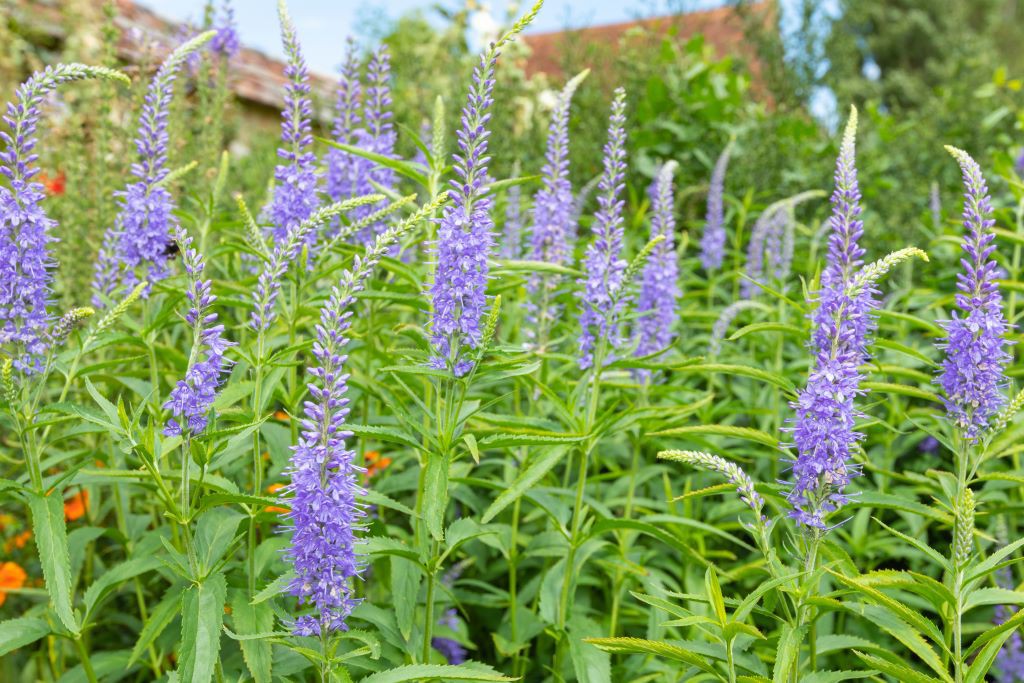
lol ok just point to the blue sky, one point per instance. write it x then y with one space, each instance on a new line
323 24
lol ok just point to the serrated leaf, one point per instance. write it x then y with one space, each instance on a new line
773 378
202 615
214 532
525 481
435 490
788 653
657 648
517 439
420 672
114 576
903 674
746 433
275 587
388 434
52 542
159 619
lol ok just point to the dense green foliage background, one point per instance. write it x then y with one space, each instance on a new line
483 497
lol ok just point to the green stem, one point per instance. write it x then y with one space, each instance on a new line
83 655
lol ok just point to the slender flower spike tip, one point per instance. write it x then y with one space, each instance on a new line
135 248
600 309
192 397
343 168
733 473
324 491
465 235
823 430
25 230
377 135
659 281
296 177
712 242
973 371
552 216
226 43
511 243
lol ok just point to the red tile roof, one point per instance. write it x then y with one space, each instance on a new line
255 76
722 28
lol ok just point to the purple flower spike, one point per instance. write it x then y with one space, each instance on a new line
296 179
135 247
377 135
973 372
659 280
712 242
465 235
193 396
511 243
552 219
226 43
451 649
346 172
25 230
324 491
770 250
599 315
823 430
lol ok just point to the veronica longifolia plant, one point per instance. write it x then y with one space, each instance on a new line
25 230
146 224
823 430
600 307
465 235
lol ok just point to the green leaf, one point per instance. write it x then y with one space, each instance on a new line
773 378
591 664
404 168
910 616
526 480
835 676
405 588
388 434
657 648
791 330
714 590
903 674
214 533
15 633
435 494
901 390
516 439
384 545
159 619
275 587
788 654
420 672
52 541
110 579
747 433
251 619
202 615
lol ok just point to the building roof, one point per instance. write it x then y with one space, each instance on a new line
722 28
255 76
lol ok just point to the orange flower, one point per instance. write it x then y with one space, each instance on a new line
375 464
55 185
274 488
76 506
18 541
11 576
